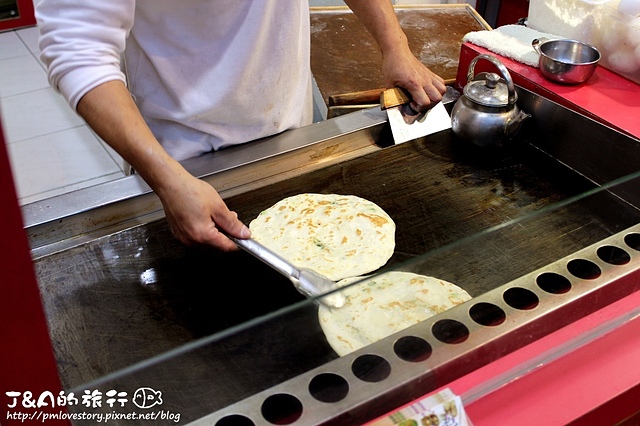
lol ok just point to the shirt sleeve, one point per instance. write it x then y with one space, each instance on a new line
82 42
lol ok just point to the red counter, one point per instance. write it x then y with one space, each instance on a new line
606 97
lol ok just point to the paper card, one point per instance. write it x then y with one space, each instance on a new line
441 409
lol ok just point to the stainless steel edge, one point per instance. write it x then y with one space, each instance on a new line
409 380
73 218
595 150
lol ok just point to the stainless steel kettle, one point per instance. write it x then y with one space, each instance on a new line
487 115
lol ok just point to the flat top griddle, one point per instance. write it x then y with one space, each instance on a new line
128 297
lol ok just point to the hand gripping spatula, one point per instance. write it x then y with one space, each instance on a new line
306 281
408 124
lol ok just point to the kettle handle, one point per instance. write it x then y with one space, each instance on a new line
503 70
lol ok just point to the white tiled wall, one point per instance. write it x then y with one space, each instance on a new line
51 149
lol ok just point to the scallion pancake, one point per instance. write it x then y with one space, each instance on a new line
385 304
337 236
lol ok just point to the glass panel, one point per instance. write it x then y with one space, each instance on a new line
185 332
234 337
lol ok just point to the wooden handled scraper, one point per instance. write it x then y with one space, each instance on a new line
408 124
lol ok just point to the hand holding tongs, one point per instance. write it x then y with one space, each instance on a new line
306 281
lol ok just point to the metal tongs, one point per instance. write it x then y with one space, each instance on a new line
306 281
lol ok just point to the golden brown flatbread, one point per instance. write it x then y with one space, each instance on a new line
337 236
385 304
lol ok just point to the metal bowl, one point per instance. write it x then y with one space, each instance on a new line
566 61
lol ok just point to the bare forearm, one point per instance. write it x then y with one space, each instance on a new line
399 66
193 208
112 114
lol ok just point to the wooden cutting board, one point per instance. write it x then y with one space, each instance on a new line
346 59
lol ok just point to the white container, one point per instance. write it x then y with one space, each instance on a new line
606 24
574 19
618 39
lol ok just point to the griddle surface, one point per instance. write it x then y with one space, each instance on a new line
103 316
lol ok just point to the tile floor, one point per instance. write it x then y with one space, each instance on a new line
51 149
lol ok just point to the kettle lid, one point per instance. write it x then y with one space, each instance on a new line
490 91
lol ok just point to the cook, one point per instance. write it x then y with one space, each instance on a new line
163 80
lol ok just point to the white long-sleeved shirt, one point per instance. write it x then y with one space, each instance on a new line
205 74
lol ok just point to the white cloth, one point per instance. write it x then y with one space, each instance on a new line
511 41
204 73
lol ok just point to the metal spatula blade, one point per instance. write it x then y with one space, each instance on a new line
408 124
308 282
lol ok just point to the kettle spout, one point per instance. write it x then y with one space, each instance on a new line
513 125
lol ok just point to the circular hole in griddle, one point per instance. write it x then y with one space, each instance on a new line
328 387
613 255
553 283
450 331
633 241
235 420
281 409
412 349
520 298
585 269
487 314
371 368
